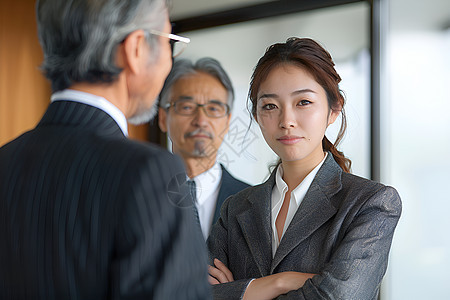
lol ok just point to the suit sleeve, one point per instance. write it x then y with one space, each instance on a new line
356 268
218 248
160 251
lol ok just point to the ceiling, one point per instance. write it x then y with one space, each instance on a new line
189 8
404 14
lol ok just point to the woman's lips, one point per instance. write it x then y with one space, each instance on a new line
289 139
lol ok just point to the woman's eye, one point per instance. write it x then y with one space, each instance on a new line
269 106
304 102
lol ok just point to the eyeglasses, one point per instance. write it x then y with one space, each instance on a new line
177 43
213 109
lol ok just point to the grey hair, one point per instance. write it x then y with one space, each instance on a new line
184 67
79 38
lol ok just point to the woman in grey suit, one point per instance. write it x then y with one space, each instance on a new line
312 230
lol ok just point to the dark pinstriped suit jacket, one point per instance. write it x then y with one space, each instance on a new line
342 231
85 214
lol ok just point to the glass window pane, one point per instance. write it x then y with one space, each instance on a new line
416 156
239 46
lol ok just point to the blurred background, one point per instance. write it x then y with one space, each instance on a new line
394 58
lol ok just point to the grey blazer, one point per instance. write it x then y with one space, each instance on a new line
342 231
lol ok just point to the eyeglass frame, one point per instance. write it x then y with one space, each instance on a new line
173 39
227 108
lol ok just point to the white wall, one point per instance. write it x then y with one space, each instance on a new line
238 47
415 120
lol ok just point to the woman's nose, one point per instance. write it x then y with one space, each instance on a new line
287 119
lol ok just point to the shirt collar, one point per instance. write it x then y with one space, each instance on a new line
280 185
95 101
300 190
208 182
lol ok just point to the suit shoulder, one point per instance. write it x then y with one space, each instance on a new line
138 146
240 184
246 191
144 155
232 182
144 149
352 181
366 189
241 199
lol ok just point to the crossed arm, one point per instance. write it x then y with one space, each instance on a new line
353 270
267 287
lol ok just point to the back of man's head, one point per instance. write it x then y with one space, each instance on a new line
185 67
79 38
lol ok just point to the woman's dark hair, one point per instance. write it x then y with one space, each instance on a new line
310 56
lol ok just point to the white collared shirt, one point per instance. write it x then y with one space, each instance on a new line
278 193
95 101
207 189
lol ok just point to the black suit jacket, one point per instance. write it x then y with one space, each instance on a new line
228 186
342 231
85 214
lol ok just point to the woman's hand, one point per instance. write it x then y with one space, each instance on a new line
220 273
272 286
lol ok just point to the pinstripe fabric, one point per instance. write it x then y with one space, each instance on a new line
84 214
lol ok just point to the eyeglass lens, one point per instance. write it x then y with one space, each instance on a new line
212 109
177 48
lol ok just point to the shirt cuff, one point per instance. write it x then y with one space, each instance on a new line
251 280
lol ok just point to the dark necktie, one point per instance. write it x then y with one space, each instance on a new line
193 192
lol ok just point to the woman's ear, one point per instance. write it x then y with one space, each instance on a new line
136 50
333 116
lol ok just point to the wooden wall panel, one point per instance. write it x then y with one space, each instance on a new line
24 92
138 132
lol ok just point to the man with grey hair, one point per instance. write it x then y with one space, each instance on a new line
197 134
86 213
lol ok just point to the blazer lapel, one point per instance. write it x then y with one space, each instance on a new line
255 225
314 210
225 182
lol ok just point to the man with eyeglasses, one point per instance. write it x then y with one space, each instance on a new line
85 212
195 110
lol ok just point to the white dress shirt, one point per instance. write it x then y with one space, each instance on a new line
96 101
278 193
207 189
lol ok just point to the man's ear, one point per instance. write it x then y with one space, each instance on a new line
136 51
228 125
228 121
162 119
